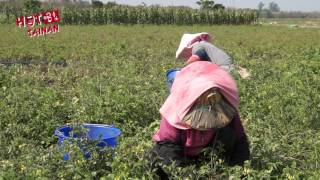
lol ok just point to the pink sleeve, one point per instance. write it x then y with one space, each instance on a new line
166 132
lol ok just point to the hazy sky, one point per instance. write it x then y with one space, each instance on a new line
286 5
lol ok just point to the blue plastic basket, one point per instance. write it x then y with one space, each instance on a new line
105 135
171 75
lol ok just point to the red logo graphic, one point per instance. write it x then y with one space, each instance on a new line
48 18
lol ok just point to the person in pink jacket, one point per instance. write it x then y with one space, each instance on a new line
200 111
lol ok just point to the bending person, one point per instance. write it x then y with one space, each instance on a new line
200 111
193 43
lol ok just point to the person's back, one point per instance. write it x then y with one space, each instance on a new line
216 55
183 134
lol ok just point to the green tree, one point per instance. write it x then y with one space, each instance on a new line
274 7
111 4
260 6
97 3
218 6
32 6
209 5
205 4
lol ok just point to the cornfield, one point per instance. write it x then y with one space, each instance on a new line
143 15
155 15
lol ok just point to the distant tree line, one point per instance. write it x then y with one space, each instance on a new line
268 12
272 10
296 14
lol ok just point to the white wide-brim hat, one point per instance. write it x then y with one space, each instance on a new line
187 41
